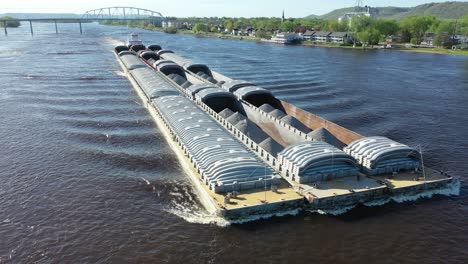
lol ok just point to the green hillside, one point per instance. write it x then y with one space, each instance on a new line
390 11
333 14
447 10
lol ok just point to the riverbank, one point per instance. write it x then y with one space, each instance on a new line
436 51
209 35
397 47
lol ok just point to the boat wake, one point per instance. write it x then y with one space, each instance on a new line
120 73
452 189
112 41
189 210
197 215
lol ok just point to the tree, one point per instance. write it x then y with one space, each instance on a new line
213 29
287 26
309 23
369 36
200 28
444 34
417 26
366 32
300 29
405 35
386 27
363 37
337 26
374 36
171 30
260 33
228 25
463 26
360 23
271 24
9 23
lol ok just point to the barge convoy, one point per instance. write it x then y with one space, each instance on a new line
250 153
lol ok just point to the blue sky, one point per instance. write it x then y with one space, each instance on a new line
182 8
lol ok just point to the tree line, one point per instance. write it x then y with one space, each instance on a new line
366 30
9 22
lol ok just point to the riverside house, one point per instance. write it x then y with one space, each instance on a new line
339 37
428 39
308 35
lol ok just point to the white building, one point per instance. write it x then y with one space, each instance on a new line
285 38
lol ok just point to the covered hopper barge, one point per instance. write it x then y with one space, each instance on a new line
248 152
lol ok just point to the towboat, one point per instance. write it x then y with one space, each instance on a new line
134 39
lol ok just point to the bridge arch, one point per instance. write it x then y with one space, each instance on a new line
121 12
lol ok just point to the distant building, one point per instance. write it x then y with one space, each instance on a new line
428 39
321 36
339 37
169 23
392 39
285 38
180 24
366 11
249 31
308 35
463 40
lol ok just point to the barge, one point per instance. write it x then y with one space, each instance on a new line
249 153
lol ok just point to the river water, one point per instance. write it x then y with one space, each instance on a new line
87 177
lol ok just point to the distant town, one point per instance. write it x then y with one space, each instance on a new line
360 26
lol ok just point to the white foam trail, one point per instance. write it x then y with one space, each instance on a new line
337 211
205 218
113 42
190 211
145 180
176 194
264 216
451 189
195 215
199 217
120 73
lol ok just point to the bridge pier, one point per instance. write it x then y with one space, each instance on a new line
56 29
81 29
30 26
5 27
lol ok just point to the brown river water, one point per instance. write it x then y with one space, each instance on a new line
87 177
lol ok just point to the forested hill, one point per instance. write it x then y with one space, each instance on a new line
447 10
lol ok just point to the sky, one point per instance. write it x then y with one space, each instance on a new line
201 8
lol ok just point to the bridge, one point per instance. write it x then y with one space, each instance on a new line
116 13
